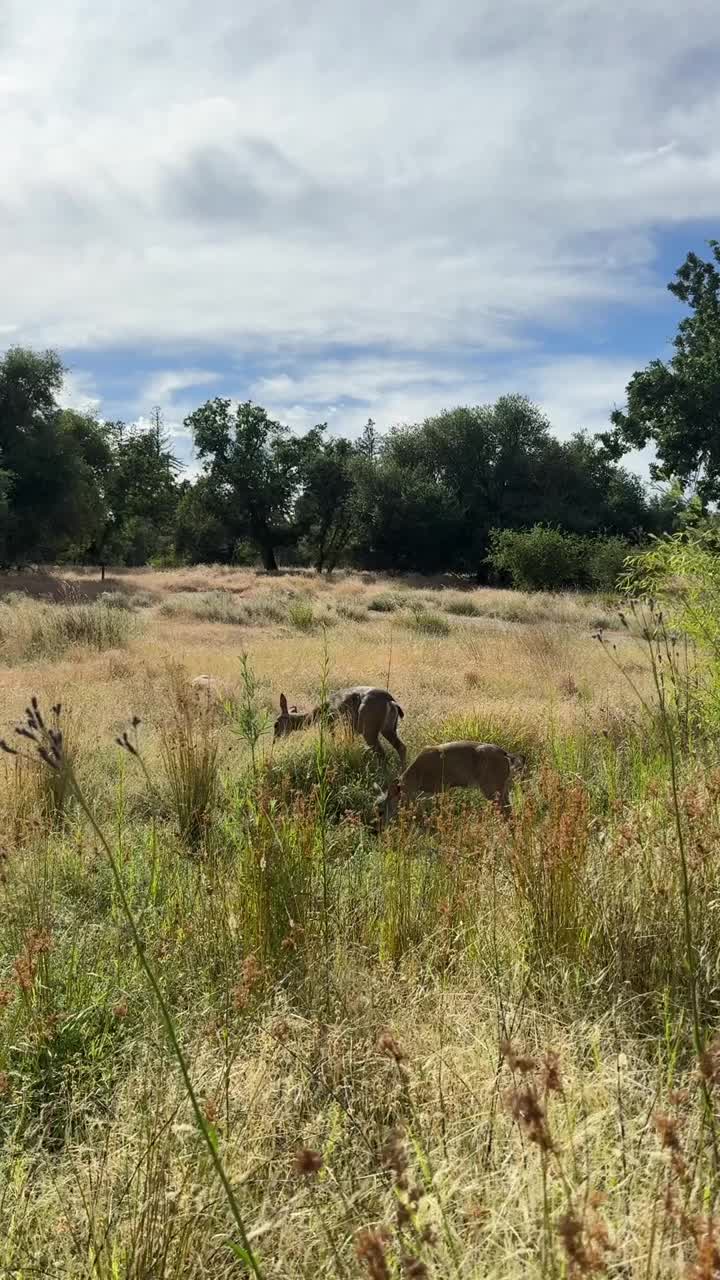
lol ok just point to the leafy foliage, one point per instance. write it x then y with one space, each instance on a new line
52 461
676 405
548 559
251 464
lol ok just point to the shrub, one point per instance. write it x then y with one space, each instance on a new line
605 562
537 559
301 615
290 776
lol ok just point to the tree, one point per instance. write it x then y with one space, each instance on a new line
325 510
585 491
252 466
466 471
676 405
54 460
141 493
201 535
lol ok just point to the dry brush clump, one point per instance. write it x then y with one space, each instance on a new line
32 630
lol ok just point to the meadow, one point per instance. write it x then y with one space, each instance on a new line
241 1034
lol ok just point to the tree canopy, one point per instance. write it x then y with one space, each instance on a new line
675 405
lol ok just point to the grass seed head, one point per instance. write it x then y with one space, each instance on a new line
388 1045
709 1063
308 1162
528 1112
370 1250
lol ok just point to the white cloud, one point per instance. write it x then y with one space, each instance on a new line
79 392
575 392
165 385
302 174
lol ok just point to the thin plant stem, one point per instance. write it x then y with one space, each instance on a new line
171 1032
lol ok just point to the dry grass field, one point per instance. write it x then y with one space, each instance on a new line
462 1048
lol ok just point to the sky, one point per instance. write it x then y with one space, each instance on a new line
346 211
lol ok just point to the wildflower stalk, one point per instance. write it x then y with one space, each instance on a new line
321 765
251 722
167 1018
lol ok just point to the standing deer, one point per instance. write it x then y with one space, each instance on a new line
368 712
453 764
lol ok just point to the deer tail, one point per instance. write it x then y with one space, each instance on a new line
398 708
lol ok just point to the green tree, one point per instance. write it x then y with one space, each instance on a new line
253 468
141 492
55 461
325 510
201 534
585 491
676 405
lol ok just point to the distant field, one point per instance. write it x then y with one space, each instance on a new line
331 988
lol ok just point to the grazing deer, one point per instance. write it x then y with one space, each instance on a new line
369 712
453 764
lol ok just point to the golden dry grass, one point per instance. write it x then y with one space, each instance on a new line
487 665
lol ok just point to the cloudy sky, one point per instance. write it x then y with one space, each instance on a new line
346 210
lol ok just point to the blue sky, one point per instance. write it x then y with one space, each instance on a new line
346 211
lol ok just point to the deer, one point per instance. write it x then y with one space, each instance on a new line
368 712
453 764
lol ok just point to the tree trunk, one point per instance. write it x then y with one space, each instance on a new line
267 552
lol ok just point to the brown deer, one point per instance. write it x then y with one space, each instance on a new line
367 711
453 764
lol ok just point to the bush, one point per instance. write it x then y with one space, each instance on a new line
546 559
301 615
189 748
537 559
606 562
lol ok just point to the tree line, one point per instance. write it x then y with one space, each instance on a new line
430 497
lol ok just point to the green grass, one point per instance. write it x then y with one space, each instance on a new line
351 996
301 615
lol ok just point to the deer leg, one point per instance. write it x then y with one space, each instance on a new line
390 735
502 799
369 729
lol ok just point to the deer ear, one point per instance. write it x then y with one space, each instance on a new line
283 704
